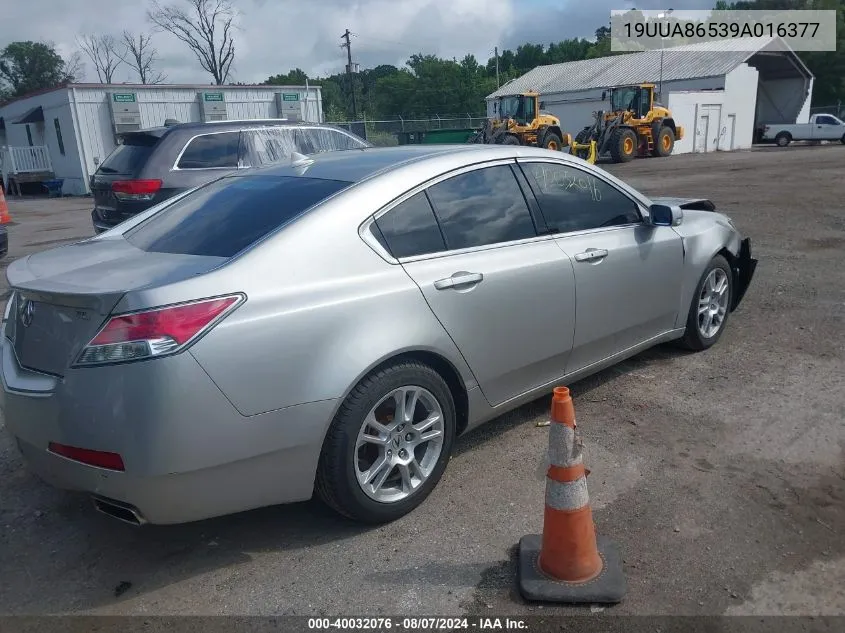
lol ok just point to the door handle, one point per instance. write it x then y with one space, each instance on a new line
591 255
458 279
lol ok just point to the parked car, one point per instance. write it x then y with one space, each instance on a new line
335 323
152 165
821 127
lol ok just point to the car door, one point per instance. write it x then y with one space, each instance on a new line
827 128
628 273
505 295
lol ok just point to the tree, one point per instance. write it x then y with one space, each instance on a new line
296 77
103 52
206 27
29 66
141 57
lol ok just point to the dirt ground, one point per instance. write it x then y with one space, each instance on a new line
720 475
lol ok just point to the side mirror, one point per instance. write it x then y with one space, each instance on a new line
604 95
664 215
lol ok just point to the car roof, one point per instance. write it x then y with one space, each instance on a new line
225 126
355 165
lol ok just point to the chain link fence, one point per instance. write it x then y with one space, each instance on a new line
386 132
837 110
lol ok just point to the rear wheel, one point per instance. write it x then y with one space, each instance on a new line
623 145
710 306
389 444
783 139
552 141
510 139
664 142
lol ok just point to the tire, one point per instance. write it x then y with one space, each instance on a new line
623 145
695 337
664 142
341 459
783 139
842 140
552 141
510 139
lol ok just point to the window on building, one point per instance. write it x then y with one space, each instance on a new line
29 135
212 150
573 200
59 136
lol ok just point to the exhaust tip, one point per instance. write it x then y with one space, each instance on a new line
117 510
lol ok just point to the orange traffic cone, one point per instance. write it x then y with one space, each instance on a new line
5 218
568 563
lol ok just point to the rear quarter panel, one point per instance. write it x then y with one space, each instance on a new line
704 234
322 309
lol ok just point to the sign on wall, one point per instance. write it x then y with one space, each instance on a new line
213 106
123 97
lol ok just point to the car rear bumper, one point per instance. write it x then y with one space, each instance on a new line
188 454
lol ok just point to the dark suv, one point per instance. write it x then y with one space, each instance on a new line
150 166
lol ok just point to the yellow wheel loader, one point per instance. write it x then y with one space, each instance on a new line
634 126
519 121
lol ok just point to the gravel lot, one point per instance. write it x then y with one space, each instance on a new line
720 475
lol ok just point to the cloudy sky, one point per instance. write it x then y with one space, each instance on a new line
277 35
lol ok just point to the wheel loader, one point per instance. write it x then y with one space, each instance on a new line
520 121
634 126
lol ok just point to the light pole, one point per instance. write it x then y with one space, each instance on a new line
660 16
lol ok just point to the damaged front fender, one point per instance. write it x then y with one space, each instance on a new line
744 267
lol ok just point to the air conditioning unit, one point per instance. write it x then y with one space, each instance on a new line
212 106
289 106
125 112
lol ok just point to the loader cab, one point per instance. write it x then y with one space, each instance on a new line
522 108
639 100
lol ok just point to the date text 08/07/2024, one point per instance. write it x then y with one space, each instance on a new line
416 624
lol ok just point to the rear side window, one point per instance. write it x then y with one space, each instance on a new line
574 200
481 207
211 150
130 157
410 228
230 214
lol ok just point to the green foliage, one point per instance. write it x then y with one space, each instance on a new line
29 66
429 85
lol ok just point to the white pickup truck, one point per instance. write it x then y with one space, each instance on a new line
822 127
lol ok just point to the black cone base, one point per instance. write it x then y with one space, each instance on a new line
607 588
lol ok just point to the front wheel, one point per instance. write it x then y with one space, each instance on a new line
710 306
388 444
552 141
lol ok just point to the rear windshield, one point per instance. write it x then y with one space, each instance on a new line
129 157
228 215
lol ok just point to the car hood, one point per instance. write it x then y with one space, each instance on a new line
688 204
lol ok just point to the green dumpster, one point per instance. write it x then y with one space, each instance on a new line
435 136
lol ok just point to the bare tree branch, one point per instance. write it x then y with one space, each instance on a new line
141 57
206 27
103 52
74 69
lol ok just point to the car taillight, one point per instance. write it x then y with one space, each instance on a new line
155 332
100 459
135 189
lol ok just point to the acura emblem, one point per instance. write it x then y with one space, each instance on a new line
26 313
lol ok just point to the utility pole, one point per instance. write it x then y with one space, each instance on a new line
348 46
496 51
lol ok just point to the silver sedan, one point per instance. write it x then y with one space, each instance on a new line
331 325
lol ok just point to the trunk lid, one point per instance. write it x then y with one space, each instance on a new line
62 297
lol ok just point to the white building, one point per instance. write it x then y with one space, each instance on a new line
718 95
66 132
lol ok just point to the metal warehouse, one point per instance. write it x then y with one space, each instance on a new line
64 133
717 93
